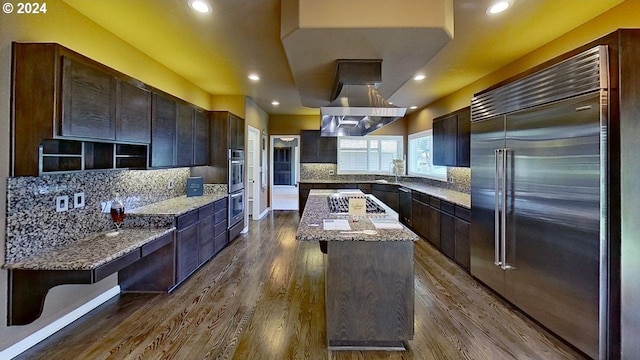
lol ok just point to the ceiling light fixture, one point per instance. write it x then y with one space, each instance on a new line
275 103
287 139
499 7
413 107
419 77
200 6
254 77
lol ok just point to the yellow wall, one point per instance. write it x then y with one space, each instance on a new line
62 24
292 124
625 15
232 103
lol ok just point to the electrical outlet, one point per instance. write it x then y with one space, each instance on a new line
78 200
105 207
62 203
170 184
331 172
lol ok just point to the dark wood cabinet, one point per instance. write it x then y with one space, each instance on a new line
434 222
388 194
318 149
226 131
462 255
447 229
451 139
133 113
184 134
88 101
200 137
77 100
201 234
163 131
187 246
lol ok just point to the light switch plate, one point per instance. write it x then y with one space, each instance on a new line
62 203
78 200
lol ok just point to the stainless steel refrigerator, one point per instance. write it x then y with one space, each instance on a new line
538 194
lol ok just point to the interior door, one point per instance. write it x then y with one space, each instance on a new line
486 137
554 216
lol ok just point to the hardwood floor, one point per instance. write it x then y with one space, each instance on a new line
263 298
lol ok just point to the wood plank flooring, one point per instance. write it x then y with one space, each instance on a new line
263 298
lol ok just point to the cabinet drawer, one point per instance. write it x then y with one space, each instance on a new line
156 244
205 211
434 202
220 241
447 207
463 213
220 228
187 219
220 216
306 186
220 205
113 266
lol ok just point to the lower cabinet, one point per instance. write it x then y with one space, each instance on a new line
201 234
443 224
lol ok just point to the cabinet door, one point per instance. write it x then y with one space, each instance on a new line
309 146
186 251
447 234
206 236
201 138
416 216
236 132
163 131
464 138
133 113
327 149
434 226
88 102
445 132
184 132
462 243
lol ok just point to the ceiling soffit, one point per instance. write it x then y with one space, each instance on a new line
405 34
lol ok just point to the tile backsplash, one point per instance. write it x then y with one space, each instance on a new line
34 226
459 178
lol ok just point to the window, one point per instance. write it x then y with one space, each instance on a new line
368 154
420 161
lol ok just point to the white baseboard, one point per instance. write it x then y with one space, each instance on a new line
264 213
31 340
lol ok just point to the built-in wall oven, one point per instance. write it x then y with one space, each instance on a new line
236 186
236 170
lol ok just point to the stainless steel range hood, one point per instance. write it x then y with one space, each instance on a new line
356 107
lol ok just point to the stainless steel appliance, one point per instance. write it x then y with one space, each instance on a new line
236 170
236 207
538 193
339 204
405 205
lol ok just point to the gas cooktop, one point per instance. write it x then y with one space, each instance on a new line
340 205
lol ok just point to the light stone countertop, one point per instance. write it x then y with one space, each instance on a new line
317 209
176 206
452 196
92 251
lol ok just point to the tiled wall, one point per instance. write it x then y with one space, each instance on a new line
459 178
33 225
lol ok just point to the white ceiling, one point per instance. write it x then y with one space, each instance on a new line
217 51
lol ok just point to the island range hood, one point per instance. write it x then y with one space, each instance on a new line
356 107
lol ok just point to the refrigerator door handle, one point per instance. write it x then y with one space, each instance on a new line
496 232
503 209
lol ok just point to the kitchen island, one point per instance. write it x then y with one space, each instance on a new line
369 276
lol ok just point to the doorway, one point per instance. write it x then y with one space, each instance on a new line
285 172
253 173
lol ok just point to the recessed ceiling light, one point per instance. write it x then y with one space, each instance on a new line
254 77
419 77
275 103
390 102
498 7
413 107
200 6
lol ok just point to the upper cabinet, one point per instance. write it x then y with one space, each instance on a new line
318 149
163 131
201 137
59 94
451 138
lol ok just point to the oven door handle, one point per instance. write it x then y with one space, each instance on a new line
236 194
235 161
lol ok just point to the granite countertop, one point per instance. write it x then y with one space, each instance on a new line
176 206
452 196
317 210
91 252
